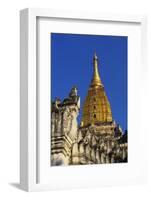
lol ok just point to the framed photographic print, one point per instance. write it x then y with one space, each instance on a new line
81 83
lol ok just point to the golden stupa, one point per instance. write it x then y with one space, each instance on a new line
96 108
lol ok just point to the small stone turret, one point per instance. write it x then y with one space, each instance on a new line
64 127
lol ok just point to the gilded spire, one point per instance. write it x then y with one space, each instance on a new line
96 108
96 81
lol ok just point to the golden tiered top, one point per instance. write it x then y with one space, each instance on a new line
96 108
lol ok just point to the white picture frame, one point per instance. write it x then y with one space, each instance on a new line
29 148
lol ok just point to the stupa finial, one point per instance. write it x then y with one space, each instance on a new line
96 81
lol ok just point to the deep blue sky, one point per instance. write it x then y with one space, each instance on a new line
71 64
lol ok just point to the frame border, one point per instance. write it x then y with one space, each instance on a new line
28 81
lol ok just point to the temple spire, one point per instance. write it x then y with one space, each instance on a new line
96 108
96 81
